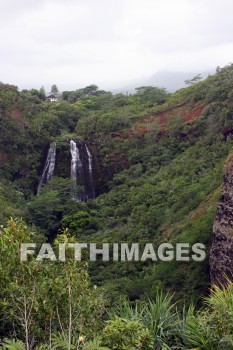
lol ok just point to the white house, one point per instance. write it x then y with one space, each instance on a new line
53 97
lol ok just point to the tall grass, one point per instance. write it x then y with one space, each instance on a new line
210 328
159 316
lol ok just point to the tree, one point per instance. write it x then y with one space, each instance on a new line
91 89
42 91
54 89
47 209
41 298
194 80
151 95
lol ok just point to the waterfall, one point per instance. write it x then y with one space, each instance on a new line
81 171
90 169
80 168
48 170
89 160
75 165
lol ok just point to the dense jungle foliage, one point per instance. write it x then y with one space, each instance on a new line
158 169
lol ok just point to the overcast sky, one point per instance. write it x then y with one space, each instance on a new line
74 43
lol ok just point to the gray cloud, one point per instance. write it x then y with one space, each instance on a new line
77 42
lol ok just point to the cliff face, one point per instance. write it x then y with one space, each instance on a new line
221 254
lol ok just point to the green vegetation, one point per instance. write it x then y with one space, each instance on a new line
158 165
53 306
39 299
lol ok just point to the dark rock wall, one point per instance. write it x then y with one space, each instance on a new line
221 254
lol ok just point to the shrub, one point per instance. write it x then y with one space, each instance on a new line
123 334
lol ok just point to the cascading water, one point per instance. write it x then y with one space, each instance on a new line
90 169
74 156
49 167
81 171
89 160
75 169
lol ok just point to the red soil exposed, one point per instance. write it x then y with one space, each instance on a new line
16 114
19 119
185 111
159 121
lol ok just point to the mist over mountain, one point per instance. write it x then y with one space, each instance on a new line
171 81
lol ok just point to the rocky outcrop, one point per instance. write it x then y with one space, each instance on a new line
221 254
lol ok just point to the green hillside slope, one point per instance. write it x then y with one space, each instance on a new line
158 167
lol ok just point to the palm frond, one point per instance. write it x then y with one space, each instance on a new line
12 344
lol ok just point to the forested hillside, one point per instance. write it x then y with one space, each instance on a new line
154 161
